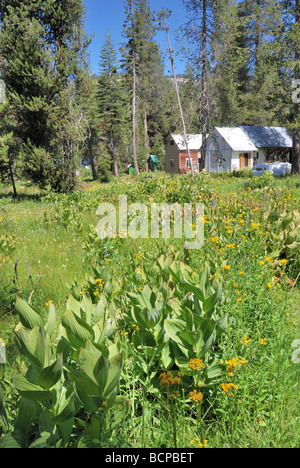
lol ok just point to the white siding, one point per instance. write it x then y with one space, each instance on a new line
261 156
216 143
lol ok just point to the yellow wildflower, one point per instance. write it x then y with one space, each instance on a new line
262 341
228 387
196 364
195 396
246 340
232 363
167 378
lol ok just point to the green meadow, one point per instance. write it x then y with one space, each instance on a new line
140 342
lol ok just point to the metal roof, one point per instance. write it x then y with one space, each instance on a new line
194 141
236 138
154 158
268 137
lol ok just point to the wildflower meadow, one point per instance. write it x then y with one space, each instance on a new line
127 342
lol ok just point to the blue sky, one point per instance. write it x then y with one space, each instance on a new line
103 14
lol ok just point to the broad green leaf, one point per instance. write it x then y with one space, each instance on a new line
51 321
66 414
3 416
214 370
166 359
66 429
118 412
30 390
73 305
88 308
46 440
26 414
30 344
108 287
143 338
195 290
209 304
28 316
51 374
101 371
189 337
43 347
64 348
100 309
204 277
116 363
88 358
86 390
87 441
150 317
78 327
15 439
173 327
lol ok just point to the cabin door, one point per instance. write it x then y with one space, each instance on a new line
245 160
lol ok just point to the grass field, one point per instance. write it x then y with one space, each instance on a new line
140 342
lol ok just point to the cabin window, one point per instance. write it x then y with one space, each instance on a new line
187 163
172 163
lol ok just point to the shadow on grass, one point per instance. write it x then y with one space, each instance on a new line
21 196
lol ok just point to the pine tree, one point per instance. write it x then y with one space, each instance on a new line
8 153
111 102
88 104
229 73
43 45
262 23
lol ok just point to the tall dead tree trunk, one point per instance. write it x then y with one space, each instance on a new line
134 84
204 97
177 93
113 151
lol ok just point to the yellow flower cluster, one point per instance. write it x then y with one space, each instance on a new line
48 303
167 378
228 387
199 444
232 363
99 281
246 340
195 396
196 364
262 341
